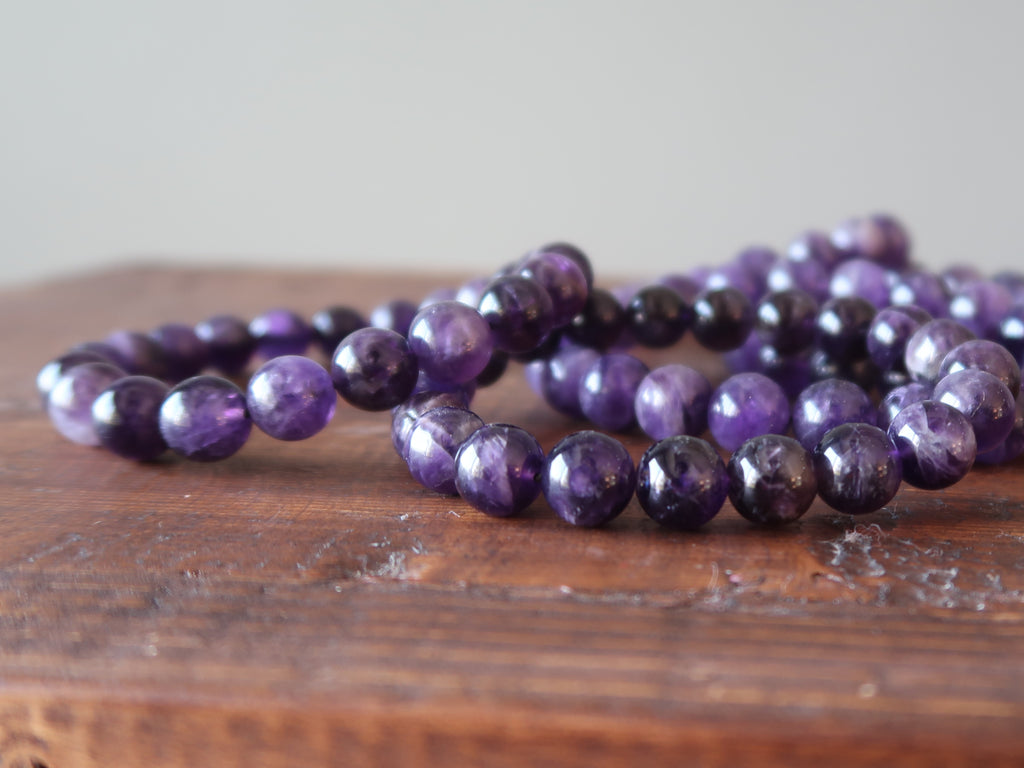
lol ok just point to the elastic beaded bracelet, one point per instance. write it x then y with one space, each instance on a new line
809 336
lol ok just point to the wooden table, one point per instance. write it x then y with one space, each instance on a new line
309 604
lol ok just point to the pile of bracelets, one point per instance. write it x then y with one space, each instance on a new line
854 370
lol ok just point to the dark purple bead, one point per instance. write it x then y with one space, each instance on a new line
54 369
291 398
519 313
498 469
791 372
451 341
808 275
434 440
723 318
929 345
205 419
608 389
888 334
980 306
1013 445
924 290
757 261
658 316
466 389
228 342
786 320
685 286
140 355
588 478
561 376
771 480
396 315
985 356
280 332
374 369
551 343
101 348
673 400
70 402
825 405
184 353
601 322
332 324
814 246
574 253
863 278
744 406
984 400
495 369
564 281
1011 332
681 482
733 275
899 398
858 468
864 373
936 444
843 325
958 275
879 238
404 416
126 417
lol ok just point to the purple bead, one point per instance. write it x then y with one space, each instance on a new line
757 261
958 275
746 357
681 482
228 342
929 345
879 238
184 353
607 391
672 400
983 399
601 322
332 324
280 332
744 406
899 398
685 286
126 417
374 369
1013 282
53 370
564 281
858 468
466 390
791 372
205 419
139 354
469 293
722 319
498 469
441 294
809 275
588 478
825 405
434 440
579 257
785 320
101 348
771 480
863 278
985 356
888 334
291 398
735 276
1013 445
658 316
980 306
814 246
936 444
451 341
394 315
1011 332
70 402
494 370
560 378
404 416
519 313
843 324
924 290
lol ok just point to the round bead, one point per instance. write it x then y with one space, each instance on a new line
588 478
494 370
441 294
205 419
498 469
899 398
757 261
771 480
561 376
723 318
922 289
564 281
814 246
70 402
291 398
984 400
808 275
786 320
888 334
734 275
404 416
791 372
228 341
936 444
374 369
601 321
1013 445
469 293
518 311
879 238
863 278
394 315
825 405
681 482
672 400
744 406
980 306
987 356
280 332
574 253
929 345
138 354
126 417
184 353
658 317
332 324
843 325
607 391
958 275
433 442
858 468
684 285
451 341
466 390
1011 332
53 370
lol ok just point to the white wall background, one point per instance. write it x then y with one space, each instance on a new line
455 133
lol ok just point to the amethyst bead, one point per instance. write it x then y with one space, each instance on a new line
498 469
138 353
332 324
607 391
734 275
771 480
205 419
858 468
814 246
889 332
228 341
291 398
394 315
922 289
984 400
929 345
53 370
70 402
374 369
985 356
791 372
860 277
980 306
936 444
1011 332
588 478
518 311
958 275
280 332
579 257
564 281
672 400
126 417
899 398
879 238
451 341
658 316
722 319
561 376
744 406
757 261
825 405
601 321
843 325
785 320
494 369
684 285
404 416
808 275
184 353
433 442
1013 445
681 482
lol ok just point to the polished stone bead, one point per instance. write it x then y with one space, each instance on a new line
736 276
863 278
863 372
494 369
980 306
601 322
1011 332
564 281
958 275
658 316
138 354
228 341
722 319
126 417
814 246
771 480
498 469
396 315
332 324
746 405
588 478
205 419
1011 281
879 238
424 383
843 325
858 468
404 416
987 356
518 311
53 370
936 444
983 399
791 372
928 346
560 378
469 292
69 405
574 253
825 405
374 369
785 320
438 295
101 348
291 397
1013 445
899 398
673 400
451 341
184 353
681 482
280 332
435 438
888 334
808 275
607 390
684 285
757 261
922 289
551 343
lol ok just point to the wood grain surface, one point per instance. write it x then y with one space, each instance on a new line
308 604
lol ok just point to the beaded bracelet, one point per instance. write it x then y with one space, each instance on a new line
809 336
